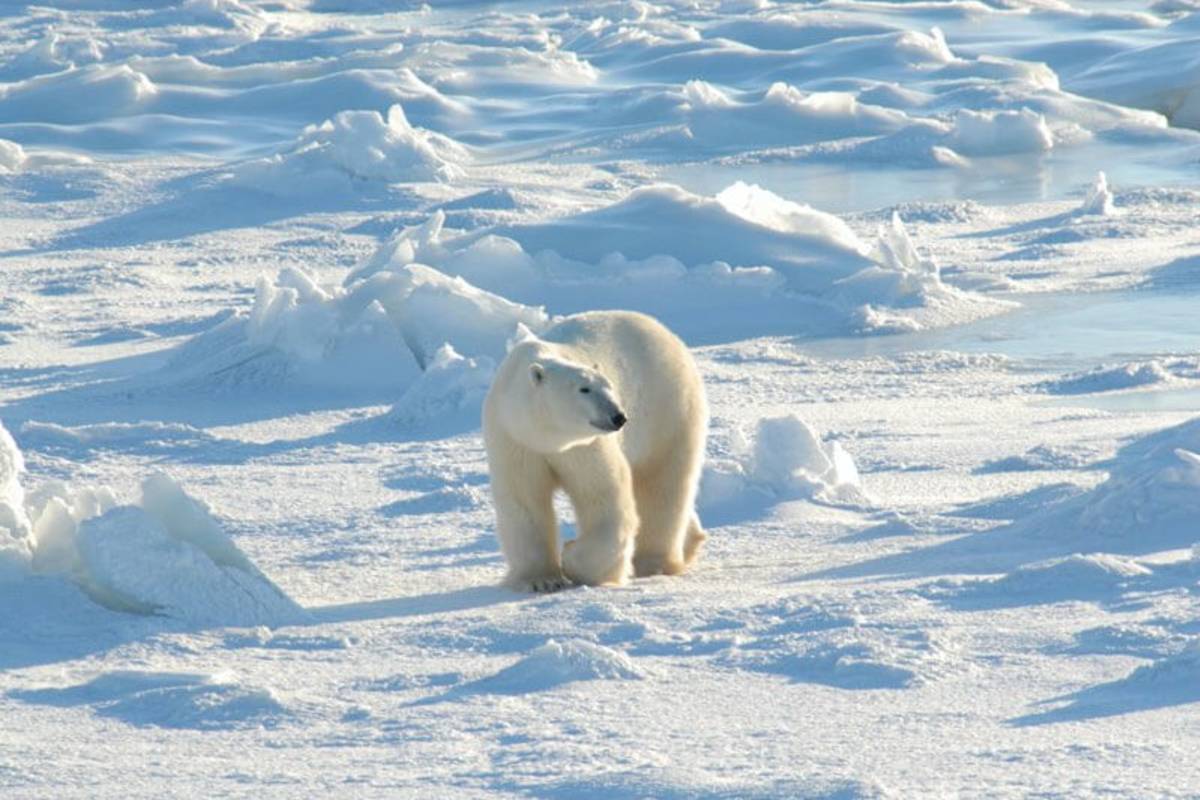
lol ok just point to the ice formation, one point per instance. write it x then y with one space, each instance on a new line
1150 501
165 554
1099 199
356 146
784 459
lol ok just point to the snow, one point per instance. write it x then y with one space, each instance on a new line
356 145
783 459
165 555
937 264
1099 199
1107 378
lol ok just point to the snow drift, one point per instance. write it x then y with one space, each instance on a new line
356 146
742 226
377 333
164 555
772 265
1150 501
784 459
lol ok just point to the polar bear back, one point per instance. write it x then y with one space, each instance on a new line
652 370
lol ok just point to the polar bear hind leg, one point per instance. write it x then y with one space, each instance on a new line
669 536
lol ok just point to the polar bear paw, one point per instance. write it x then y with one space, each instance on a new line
540 584
587 564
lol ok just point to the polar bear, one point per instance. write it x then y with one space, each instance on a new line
609 407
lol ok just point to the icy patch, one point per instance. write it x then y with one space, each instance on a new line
1099 200
220 701
1108 378
356 146
784 460
554 664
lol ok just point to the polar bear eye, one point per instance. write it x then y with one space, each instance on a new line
585 390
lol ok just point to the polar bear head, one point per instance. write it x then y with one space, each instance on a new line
556 402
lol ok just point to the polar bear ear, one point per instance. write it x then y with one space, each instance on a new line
521 334
537 373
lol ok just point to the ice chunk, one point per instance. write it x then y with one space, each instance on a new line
356 146
1099 199
992 133
784 459
12 156
450 386
377 332
15 527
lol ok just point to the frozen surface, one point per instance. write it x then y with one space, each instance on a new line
937 263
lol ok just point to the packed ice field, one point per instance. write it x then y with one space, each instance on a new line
938 263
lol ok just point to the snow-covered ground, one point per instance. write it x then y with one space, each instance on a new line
939 266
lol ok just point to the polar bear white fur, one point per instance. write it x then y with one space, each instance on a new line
609 407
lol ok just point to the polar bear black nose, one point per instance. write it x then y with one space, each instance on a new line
618 419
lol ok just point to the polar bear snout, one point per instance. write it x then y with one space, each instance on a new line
614 423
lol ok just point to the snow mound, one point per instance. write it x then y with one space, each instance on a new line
554 664
1168 681
452 386
1150 501
131 559
903 290
1099 199
206 702
994 133
143 436
1160 78
355 147
53 52
766 263
15 527
854 657
743 226
165 555
782 115
1043 457
12 156
1108 378
379 332
1095 576
85 94
785 460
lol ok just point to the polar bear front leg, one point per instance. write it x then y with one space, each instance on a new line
525 524
597 479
